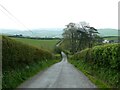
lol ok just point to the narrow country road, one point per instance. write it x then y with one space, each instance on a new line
60 75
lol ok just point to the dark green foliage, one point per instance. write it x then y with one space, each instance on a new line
103 61
57 50
57 56
13 78
107 56
80 36
18 54
21 61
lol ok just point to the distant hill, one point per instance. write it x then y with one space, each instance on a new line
54 32
108 32
36 32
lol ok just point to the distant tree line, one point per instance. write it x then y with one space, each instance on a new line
39 38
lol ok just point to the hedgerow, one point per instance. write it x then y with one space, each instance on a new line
21 61
104 61
18 54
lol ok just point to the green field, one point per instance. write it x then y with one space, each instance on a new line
43 44
111 38
21 61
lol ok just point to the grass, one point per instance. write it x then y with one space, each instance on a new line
44 44
102 62
111 38
15 77
86 70
21 61
57 56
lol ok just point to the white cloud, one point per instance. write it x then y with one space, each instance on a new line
58 13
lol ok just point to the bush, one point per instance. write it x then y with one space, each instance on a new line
21 61
57 50
105 59
107 56
17 54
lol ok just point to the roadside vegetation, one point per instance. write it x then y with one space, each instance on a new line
21 61
23 57
86 51
101 63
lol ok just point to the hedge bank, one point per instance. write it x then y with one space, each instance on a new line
102 62
21 61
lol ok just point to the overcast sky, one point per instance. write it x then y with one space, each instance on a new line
36 14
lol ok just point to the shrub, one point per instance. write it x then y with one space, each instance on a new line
17 54
21 61
105 59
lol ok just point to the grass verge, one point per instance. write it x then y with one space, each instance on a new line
14 78
86 70
21 61
102 62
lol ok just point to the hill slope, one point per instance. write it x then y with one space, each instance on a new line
48 32
108 32
44 44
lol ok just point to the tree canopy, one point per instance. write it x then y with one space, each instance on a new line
78 36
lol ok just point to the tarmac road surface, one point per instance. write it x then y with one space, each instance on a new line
59 75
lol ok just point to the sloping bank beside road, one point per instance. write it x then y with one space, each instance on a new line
21 61
101 64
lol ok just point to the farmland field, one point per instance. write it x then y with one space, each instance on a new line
43 44
111 38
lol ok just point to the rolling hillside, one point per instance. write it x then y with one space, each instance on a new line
35 32
42 44
108 32
53 32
